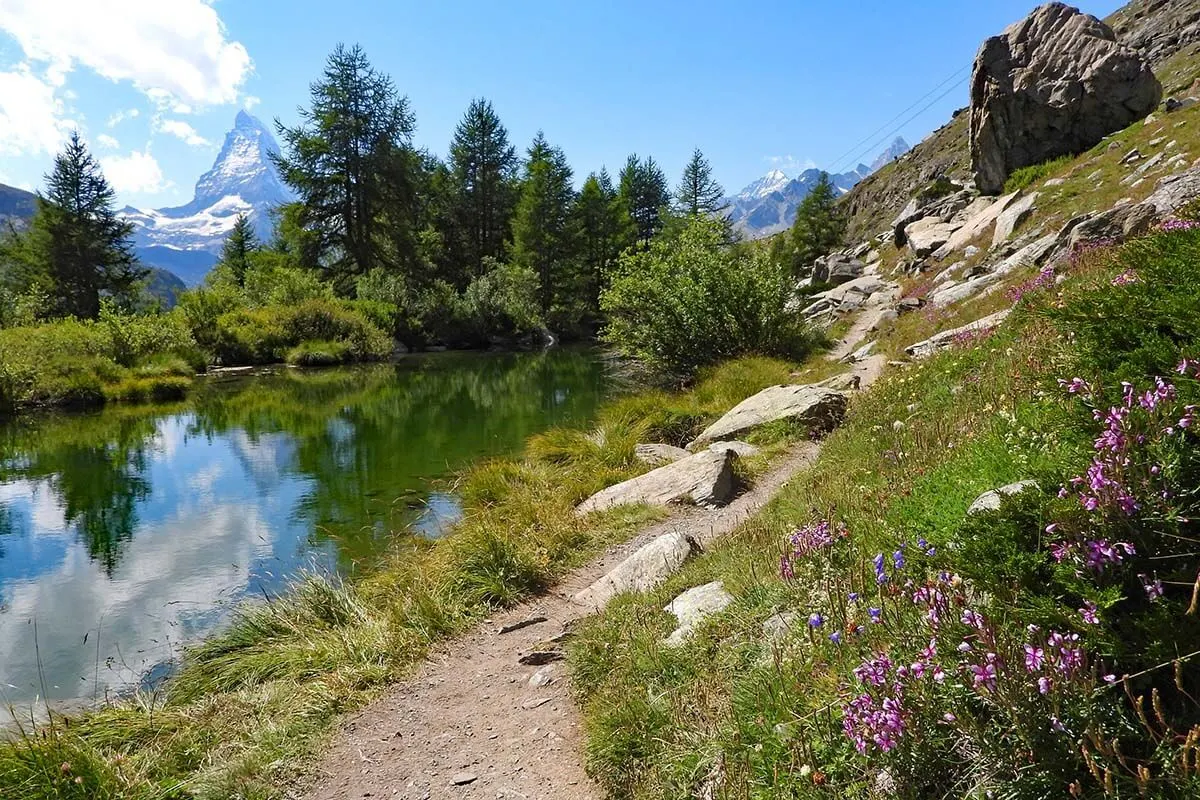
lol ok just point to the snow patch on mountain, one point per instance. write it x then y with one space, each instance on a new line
187 239
768 205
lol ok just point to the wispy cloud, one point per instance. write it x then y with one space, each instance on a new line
137 172
104 140
790 163
182 131
119 117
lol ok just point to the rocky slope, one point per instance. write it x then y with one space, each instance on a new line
1166 32
16 206
243 180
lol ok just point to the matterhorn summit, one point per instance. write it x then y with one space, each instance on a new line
187 239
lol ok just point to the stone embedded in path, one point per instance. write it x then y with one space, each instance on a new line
990 501
703 479
540 657
543 677
652 564
944 339
464 778
819 408
693 607
525 623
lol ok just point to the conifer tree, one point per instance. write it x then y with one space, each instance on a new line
541 232
350 162
698 193
76 248
598 222
819 225
239 245
643 192
483 164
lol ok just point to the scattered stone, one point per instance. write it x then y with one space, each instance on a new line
1157 142
1132 156
910 304
704 479
1012 217
652 564
1095 175
990 501
539 658
837 269
818 408
743 449
525 623
1054 182
861 354
946 338
463 778
1018 118
777 626
529 705
971 251
543 677
843 382
657 455
1151 164
693 607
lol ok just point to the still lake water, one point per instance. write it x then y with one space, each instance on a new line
129 532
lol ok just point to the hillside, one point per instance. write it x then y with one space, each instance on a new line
1166 31
16 205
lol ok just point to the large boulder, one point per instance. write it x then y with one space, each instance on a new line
837 269
646 568
817 407
704 479
1054 84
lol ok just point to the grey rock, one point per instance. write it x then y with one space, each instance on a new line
990 501
777 626
1132 156
463 778
525 623
1021 117
704 479
652 564
658 454
543 677
928 234
909 304
743 449
693 607
1012 217
944 339
1175 191
819 408
837 269
537 702
975 226
1054 182
539 658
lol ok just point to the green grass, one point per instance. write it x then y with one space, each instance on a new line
1025 177
249 707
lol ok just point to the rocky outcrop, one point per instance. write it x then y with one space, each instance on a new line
946 338
652 564
693 607
658 454
1175 192
1054 84
837 269
1012 217
704 479
1158 28
815 407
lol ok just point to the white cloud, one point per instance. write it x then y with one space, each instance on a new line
119 117
104 140
182 131
790 163
250 101
137 172
175 51
31 113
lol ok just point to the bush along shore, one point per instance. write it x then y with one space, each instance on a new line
986 587
247 707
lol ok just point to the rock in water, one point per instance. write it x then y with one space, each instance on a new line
1054 84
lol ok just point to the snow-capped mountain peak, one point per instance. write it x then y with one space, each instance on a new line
773 181
243 180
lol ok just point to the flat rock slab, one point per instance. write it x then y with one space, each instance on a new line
652 564
703 479
818 407
990 501
944 339
743 449
976 226
693 607
658 454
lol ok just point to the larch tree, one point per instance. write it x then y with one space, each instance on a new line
77 249
643 192
484 168
542 235
239 245
349 161
698 192
819 226
598 222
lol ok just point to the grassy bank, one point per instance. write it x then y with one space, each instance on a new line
248 706
1044 649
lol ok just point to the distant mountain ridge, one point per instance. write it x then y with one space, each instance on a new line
768 205
17 206
187 239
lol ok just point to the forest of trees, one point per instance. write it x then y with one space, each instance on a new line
386 241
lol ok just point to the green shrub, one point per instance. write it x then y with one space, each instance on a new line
318 354
1134 315
136 337
156 389
1027 176
693 301
201 308
502 303
265 335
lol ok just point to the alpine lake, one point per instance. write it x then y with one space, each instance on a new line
127 533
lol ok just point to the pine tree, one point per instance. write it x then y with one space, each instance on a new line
598 222
483 165
698 193
819 225
541 228
239 245
76 248
643 192
350 162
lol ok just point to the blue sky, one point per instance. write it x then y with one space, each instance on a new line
154 84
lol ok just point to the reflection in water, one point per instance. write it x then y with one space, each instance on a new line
127 532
